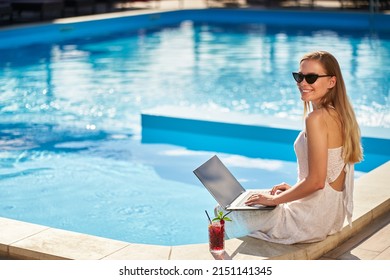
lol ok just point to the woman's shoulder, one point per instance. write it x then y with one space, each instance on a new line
316 113
324 118
326 121
323 114
315 124
317 117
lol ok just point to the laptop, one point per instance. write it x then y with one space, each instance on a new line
224 187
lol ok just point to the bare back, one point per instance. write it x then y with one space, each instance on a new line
335 140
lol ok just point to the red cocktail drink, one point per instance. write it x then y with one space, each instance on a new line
217 237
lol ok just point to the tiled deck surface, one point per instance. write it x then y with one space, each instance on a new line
20 240
372 243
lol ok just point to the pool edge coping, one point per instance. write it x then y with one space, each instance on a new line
21 240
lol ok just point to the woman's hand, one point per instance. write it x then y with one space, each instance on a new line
261 198
267 199
277 189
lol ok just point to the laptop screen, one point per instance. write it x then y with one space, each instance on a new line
218 180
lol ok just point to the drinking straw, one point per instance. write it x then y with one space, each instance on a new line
208 216
227 214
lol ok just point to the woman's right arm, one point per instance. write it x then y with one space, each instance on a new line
317 140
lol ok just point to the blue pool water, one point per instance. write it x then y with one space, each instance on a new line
72 151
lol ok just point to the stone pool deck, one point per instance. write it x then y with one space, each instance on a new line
20 240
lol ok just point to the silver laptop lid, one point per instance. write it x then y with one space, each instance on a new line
218 180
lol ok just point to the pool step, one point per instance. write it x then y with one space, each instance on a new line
248 135
231 124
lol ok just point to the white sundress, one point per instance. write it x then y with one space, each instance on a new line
309 219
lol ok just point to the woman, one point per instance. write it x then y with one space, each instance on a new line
326 150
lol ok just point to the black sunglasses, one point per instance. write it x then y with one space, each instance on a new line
310 78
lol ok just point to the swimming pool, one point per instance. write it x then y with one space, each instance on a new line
73 153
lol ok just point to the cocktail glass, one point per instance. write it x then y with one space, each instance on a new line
217 237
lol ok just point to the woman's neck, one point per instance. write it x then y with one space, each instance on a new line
316 106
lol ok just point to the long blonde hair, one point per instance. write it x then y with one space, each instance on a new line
337 97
